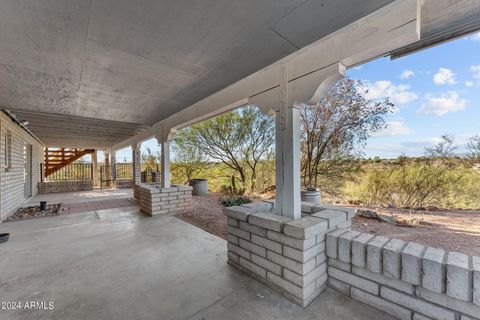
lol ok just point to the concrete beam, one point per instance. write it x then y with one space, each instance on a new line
442 20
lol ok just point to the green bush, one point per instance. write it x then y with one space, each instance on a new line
234 201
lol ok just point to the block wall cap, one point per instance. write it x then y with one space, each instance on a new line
238 212
306 227
268 221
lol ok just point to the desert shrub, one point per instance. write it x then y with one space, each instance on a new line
234 201
439 178
372 187
407 183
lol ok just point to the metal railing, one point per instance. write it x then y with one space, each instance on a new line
72 171
124 171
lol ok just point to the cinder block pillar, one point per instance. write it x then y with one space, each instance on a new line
136 162
287 254
137 168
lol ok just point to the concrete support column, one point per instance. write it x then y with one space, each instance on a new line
137 164
287 155
287 144
108 173
165 164
94 169
113 168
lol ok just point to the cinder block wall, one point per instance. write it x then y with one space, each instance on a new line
155 200
64 186
407 280
12 179
123 183
288 255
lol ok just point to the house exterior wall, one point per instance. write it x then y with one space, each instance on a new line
12 177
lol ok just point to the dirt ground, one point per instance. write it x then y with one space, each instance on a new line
453 230
207 214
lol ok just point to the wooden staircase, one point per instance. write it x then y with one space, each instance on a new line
57 158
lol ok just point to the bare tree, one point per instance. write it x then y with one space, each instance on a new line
239 139
334 130
473 146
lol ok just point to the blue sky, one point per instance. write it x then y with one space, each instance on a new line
435 91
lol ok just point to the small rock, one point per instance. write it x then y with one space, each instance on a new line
366 213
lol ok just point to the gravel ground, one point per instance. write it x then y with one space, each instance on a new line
453 230
35 212
207 214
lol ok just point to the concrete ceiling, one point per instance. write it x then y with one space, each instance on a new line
108 68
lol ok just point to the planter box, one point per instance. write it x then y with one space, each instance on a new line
155 200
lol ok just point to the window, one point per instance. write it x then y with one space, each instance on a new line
7 151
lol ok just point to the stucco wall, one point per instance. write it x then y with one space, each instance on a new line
12 178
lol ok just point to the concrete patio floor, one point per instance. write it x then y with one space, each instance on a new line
118 264
80 196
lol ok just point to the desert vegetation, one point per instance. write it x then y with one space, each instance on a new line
236 153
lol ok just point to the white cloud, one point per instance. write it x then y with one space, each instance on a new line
444 76
421 143
440 105
394 128
469 83
476 71
411 148
407 74
475 37
398 94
